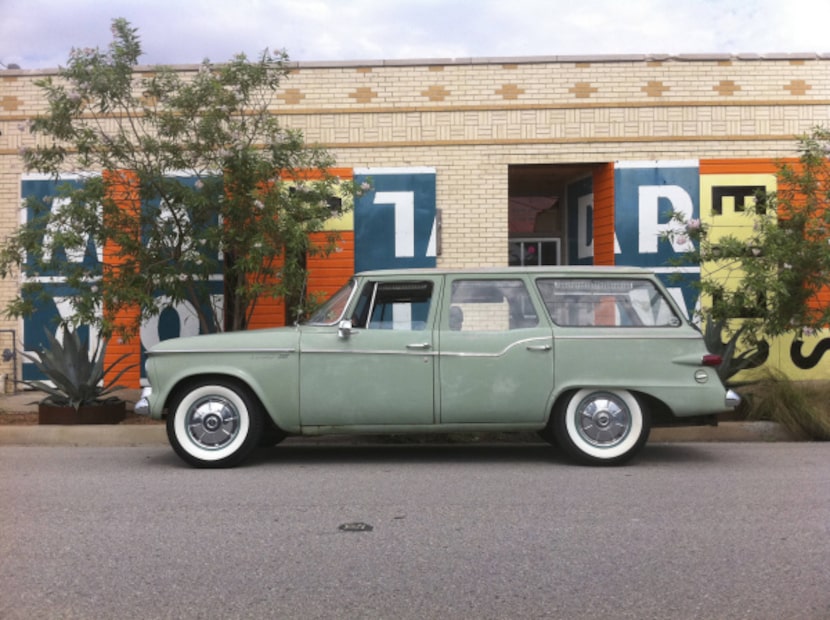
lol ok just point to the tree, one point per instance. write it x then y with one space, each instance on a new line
250 196
776 279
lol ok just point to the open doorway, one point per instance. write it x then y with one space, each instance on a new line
538 211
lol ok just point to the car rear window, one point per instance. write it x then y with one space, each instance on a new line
606 302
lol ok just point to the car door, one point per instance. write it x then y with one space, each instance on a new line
381 370
496 357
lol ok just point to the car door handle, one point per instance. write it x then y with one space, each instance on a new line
539 347
420 346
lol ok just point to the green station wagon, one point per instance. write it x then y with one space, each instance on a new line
589 357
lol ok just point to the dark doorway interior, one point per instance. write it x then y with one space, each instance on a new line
537 211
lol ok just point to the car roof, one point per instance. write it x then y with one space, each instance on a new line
569 270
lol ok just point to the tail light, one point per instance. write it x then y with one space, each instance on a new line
710 359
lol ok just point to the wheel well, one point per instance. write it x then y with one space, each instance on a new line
563 396
188 382
657 409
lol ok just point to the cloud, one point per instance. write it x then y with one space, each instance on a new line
40 33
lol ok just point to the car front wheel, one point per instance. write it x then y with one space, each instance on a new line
214 423
601 426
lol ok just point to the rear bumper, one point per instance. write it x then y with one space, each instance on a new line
732 399
142 407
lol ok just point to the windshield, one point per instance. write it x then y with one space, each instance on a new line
331 311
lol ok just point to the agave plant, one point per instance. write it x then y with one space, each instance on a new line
76 376
733 362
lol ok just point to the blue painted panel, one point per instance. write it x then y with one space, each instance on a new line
47 193
644 198
394 222
581 222
172 322
645 195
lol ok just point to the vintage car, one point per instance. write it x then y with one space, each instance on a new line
589 357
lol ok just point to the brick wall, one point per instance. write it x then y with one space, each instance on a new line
470 119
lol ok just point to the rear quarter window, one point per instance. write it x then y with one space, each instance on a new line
606 302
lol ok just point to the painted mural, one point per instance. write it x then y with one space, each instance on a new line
395 222
395 225
55 304
718 192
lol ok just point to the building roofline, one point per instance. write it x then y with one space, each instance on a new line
496 60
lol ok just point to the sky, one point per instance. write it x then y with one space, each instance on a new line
39 34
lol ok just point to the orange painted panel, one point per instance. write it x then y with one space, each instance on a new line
603 180
326 274
117 347
739 166
269 312
314 175
122 187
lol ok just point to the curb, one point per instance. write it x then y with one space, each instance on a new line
147 435
86 435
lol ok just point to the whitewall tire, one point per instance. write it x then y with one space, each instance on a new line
601 426
214 423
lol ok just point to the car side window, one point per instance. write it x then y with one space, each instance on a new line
606 302
400 305
490 305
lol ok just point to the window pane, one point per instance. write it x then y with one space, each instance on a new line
393 305
606 303
490 305
533 252
331 311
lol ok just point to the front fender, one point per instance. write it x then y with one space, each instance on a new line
272 376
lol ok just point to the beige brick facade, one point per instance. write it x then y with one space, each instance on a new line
471 119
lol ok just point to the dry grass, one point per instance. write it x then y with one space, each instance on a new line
802 407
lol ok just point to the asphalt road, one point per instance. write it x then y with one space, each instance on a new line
686 531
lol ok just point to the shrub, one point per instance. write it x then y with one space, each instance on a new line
76 375
800 407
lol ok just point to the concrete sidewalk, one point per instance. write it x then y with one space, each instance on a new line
155 434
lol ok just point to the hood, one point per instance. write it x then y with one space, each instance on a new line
250 339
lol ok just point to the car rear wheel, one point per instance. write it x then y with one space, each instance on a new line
214 423
601 426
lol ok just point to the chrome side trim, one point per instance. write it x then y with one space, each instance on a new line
420 353
410 353
212 351
628 336
503 352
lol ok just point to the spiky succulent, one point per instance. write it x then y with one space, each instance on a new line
733 362
75 377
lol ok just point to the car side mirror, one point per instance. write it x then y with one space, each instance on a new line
344 329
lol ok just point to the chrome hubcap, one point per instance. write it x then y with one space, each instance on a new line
603 420
212 423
